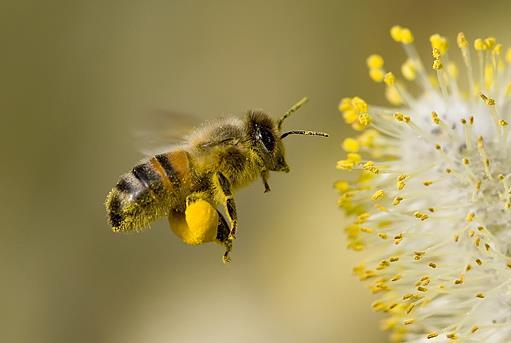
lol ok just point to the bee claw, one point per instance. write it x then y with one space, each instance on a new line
227 259
228 248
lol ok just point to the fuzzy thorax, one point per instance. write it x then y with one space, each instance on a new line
431 206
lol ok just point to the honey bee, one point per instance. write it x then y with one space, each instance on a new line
190 182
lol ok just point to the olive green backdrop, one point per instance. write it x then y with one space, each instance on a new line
75 79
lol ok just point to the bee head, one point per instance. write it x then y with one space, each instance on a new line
266 136
265 140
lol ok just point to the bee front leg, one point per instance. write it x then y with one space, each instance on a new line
265 175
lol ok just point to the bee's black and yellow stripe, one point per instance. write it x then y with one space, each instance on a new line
149 191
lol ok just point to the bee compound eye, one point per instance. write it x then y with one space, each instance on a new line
267 139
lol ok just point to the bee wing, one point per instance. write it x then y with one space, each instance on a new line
164 130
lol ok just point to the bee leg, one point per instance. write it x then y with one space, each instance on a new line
223 236
265 175
225 188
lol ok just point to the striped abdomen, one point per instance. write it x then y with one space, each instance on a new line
149 191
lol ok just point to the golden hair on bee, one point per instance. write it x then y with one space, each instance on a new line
191 182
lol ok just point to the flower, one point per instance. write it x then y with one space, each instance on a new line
431 205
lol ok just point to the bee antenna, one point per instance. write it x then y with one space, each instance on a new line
293 109
303 132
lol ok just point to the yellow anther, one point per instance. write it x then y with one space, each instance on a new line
406 36
369 166
400 34
432 264
438 42
401 117
452 335
359 105
480 295
374 61
362 218
409 321
460 280
490 42
456 238
400 185
462 41
470 217
407 296
437 65
395 33
394 259
466 161
480 142
350 145
345 104
436 53
364 119
402 177
427 183
378 195
408 70
435 118
478 261
366 229
350 116
508 55
354 157
497 50
474 329
383 235
342 186
376 75
345 164
396 277
479 44
432 335
502 122
397 201
438 147
421 215
389 79
422 289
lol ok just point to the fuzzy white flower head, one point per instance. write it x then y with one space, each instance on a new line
432 202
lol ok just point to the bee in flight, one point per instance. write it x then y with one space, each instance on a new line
189 183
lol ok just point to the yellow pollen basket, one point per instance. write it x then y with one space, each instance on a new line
198 225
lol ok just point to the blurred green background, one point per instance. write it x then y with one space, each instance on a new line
76 77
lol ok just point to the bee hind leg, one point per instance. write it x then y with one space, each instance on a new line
230 206
223 237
